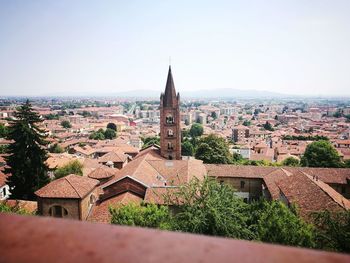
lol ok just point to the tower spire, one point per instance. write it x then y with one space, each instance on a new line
169 99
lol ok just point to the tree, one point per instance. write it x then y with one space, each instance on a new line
207 207
110 134
56 148
333 230
274 222
3 130
347 164
187 149
321 154
27 155
237 158
66 124
213 115
246 123
73 167
213 149
4 208
143 215
150 141
196 130
112 126
291 161
337 114
267 126
97 135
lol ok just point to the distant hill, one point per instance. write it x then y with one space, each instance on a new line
215 93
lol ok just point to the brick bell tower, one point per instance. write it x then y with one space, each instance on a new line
170 132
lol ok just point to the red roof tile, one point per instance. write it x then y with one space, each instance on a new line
70 186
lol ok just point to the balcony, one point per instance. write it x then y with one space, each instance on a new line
38 239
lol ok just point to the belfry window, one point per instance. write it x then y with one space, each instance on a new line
170 133
169 119
170 146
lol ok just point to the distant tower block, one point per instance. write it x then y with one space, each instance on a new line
170 132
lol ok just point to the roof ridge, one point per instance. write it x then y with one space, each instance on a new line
72 186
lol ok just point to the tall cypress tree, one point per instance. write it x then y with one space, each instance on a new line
27 154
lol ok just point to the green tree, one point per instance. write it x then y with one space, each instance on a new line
73 167
144 215
150 141
187 148
3 130
4 208
112 126
237 158
66 124
274 222
333 230
56 148
213 115
267 126
196 130
213 149
337 114
97 135
321 154
246 123
3 149
110 134
27 155
207 207
291 161
347 164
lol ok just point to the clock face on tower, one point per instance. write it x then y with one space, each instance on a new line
170 133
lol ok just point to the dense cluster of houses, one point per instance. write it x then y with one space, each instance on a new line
117 172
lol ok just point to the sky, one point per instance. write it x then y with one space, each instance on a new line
72 47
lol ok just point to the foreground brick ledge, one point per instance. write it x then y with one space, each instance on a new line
38 239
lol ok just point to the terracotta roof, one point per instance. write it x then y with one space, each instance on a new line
28 206
155 195
271 180
70 186
303 191
114 156
245 171
101 172
100 212
327 175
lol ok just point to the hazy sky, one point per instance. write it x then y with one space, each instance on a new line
73 47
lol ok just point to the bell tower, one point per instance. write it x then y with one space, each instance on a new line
170 132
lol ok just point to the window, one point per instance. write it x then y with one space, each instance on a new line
221 182
58 211
170 157
4 191
170 133
169 119
242 184
92 199
170 146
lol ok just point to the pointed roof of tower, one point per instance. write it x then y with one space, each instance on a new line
170 94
